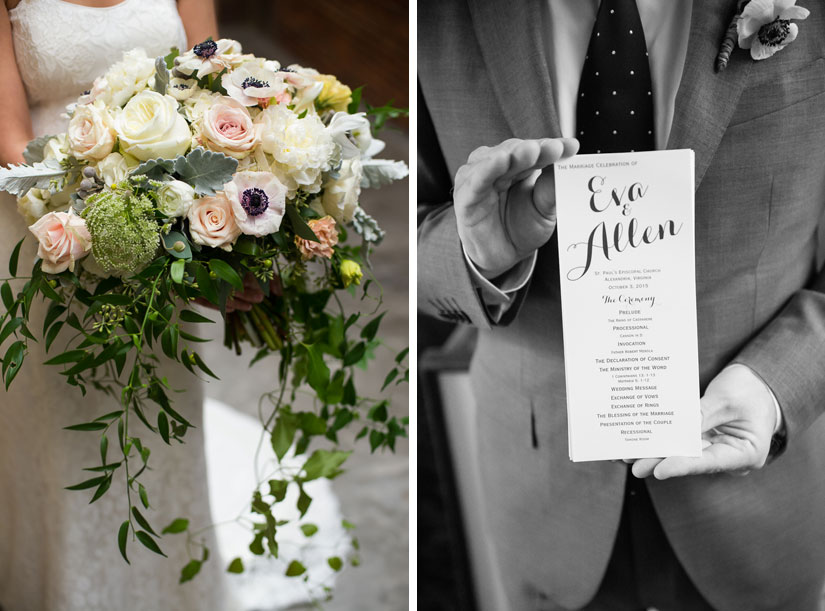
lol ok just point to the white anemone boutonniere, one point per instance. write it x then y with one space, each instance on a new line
762 26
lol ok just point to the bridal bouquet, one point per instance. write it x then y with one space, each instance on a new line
187 178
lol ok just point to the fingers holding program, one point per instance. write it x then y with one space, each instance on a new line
738 420
505 201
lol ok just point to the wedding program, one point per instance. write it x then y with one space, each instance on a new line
626 262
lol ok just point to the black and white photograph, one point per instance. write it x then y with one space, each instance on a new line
621 319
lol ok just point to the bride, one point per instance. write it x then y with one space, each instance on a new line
57 552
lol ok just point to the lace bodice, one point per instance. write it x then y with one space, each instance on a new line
62 47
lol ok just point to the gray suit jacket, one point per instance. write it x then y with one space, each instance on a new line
758 131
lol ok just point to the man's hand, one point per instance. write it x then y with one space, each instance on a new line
505 202
738 419
251 294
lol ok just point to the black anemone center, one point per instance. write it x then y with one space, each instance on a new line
254 201
206 49
285 70
774 33
251 81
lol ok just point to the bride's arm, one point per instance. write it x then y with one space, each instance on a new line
15 122
199 20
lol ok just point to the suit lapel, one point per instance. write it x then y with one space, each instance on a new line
511 38
706 99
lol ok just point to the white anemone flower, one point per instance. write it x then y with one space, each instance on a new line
351 133
209 56
765 26
251 85
258 200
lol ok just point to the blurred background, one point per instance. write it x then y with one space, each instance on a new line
362 43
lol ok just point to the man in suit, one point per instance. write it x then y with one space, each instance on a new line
736 528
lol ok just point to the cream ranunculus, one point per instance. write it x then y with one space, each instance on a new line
124 78
57 148
64 239
175 198
149 126
212 222
340 197
302 148
113 168
36 203
90 132
227 127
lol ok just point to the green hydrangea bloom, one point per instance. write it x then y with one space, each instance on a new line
124 232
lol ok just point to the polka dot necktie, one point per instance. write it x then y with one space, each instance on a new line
614 111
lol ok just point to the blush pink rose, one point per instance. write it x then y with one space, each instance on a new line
90 132
227 128
212 222
324 229
64 239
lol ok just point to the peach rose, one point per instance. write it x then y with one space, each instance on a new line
90 132
212 222
63 238
324 229
227 128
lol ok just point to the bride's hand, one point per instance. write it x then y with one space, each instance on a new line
251 294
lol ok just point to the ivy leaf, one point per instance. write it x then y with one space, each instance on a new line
236 566
190 570
295 569
284 434
35 150
277 488
161 76
323 463
309 529
206 171
18 179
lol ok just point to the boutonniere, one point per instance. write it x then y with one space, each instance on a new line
763 26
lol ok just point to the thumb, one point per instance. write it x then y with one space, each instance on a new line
544 191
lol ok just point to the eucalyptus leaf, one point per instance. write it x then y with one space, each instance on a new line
177 245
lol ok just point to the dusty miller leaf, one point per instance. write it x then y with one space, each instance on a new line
155 169
367 227
18 179
35 149
381 172
206 171
161 76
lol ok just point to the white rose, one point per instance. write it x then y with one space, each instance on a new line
302 148
90 132
175 198
124 79
113 169
57 148
340 197
149 126
36 203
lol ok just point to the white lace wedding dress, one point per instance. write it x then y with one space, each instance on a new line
57 552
